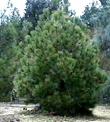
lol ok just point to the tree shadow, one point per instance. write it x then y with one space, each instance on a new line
85 116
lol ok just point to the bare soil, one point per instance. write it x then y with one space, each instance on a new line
12 113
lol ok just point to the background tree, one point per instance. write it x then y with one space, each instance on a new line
34 9
12 31
98 20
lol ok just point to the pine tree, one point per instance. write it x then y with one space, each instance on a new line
60 67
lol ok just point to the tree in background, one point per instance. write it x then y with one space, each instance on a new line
34 9
98 20
12 31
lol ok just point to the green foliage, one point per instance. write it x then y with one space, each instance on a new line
35 8
105 93
90 15
98 19
5 80
104 2
12 31
59 66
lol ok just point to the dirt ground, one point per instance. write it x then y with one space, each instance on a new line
11 113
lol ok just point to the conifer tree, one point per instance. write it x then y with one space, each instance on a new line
60 67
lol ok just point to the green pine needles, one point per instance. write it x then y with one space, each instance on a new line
59 67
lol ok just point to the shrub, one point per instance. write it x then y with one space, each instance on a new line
60 67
